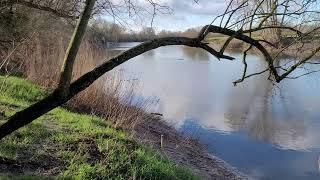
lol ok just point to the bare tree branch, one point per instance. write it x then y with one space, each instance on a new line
39 6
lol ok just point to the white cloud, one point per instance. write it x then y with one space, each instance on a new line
202 8
185 13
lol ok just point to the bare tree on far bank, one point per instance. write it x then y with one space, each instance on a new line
244 21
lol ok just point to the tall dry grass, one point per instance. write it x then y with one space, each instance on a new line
111 96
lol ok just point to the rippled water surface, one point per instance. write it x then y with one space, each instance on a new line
266 131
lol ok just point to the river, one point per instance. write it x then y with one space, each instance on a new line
265 131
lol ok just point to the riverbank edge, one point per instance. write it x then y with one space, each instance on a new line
64 144
182 151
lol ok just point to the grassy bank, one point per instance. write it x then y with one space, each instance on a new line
64 144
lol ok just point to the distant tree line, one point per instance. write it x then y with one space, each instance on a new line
102 31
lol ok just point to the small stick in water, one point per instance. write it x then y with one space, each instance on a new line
319 162
161 141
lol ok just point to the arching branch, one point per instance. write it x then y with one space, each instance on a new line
54 100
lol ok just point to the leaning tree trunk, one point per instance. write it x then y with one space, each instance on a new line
54 100
60 95
75 42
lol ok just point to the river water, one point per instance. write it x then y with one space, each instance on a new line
265 131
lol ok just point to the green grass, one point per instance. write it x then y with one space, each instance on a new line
67 145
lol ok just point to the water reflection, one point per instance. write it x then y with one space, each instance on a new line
259 160
195 54
257 117
266 131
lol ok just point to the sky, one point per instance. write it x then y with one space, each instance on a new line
185 14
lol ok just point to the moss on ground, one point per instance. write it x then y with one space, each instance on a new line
68 145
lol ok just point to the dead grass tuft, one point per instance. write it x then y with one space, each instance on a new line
112 96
